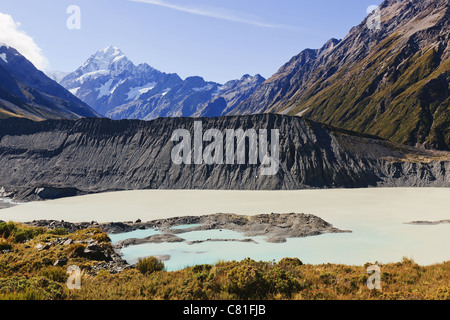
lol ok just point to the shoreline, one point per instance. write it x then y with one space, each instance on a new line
175 236
276 228
6 203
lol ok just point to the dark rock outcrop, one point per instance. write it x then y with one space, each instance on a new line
94 252
158 238
69 226
274 227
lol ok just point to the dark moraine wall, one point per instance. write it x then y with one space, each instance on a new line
58 158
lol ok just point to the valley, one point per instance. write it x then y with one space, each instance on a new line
155 186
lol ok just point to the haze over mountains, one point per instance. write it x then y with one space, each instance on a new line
116 88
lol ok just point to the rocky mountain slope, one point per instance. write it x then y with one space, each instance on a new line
116 88
392 82
57 158
109 79
181 99
27 92
230 96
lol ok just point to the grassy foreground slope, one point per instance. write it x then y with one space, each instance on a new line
27 271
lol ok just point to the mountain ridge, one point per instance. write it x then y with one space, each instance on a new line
27 92
97 155
391 82
116 88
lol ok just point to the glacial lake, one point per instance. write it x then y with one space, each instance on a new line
376 216
381 242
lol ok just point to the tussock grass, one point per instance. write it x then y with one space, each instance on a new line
287 279
26 273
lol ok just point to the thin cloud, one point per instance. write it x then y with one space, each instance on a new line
217 13
10 34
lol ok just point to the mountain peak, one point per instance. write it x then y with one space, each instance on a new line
250 77
110 51
113 48
108 59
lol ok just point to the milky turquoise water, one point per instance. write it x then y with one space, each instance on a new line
186 226
377 240
376 216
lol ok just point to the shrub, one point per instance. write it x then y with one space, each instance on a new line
281 281
45 261
27 295
328 278
58 231
90 233
103 274
101 237
246 282
202 271
5 244
443 293
23 235
201 267
290 263
17 233
6 229
149 265
34 288
56 274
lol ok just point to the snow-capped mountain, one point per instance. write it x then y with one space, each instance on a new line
182 99
56 75
109 79
111 84
28 93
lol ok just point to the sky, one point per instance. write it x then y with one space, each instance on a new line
219 40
